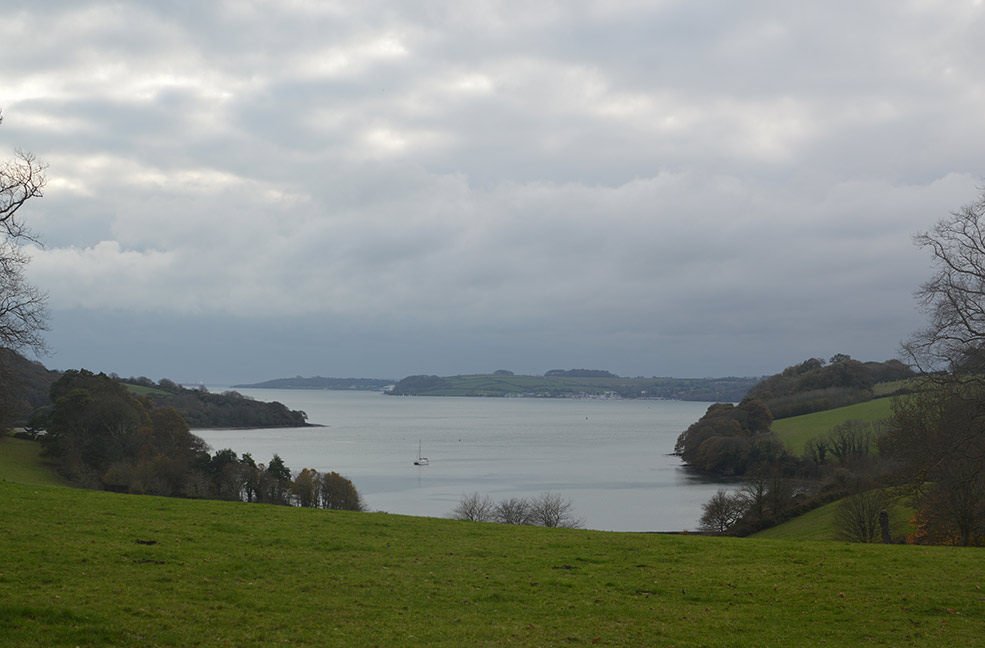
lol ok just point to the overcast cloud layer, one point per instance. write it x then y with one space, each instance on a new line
247 190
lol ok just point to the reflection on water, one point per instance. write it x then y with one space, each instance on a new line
611 458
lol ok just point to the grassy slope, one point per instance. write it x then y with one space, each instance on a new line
814 525
797 430
21 461
91 568
819 524
100 568
140 390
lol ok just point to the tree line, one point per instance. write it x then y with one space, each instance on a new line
204 409
105 437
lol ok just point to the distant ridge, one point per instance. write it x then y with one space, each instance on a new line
575 384
318 382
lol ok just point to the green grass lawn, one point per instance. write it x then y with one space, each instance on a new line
21 461
92 568
141 390
796 431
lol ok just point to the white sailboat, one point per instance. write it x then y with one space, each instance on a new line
420 461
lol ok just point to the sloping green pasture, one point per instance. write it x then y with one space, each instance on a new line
141 390
796 431
21 461
814 525
819 524
92 568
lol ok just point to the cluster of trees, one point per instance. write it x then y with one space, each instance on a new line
851 461
412 385
24 387
105 437
815 386
203 409
851 445
325 490
547 510
737 442
731 440
765 497
25 391
937 446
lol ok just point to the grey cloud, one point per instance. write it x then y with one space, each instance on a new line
697 188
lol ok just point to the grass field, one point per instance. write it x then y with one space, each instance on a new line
819 525
141 390
816 525
796 431
21 461
89 568
92 568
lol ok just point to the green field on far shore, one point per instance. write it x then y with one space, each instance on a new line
796 431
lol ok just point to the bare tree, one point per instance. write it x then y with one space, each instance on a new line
474 508
954 297
552 510
765 492
857 517
23 313
850 441
515 510
938 438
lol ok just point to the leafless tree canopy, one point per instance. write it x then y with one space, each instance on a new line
938 435
474 508
515 510
23 313
549 510
857 517
552 510
954 297
721 511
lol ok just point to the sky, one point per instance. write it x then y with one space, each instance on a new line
253 189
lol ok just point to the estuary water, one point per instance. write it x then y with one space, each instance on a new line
611 458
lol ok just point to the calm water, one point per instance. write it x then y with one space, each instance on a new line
610 458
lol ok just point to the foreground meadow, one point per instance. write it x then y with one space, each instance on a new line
92 568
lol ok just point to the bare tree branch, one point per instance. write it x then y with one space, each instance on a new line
23 311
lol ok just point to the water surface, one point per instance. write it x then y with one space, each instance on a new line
611 458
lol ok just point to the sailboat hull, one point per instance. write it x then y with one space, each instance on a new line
420 461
